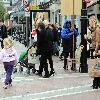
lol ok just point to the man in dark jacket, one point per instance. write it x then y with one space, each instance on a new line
3 32
67 41
45 49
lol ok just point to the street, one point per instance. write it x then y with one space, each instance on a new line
64 85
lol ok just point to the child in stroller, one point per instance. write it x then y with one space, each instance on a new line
27 60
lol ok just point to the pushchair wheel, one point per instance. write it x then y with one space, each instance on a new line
33 70
28 71
15 70
20 69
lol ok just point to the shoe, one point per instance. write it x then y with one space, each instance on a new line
95 87
10 85
5 87
65 68
39 74
52 73
46 76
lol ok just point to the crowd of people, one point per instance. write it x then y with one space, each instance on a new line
49 38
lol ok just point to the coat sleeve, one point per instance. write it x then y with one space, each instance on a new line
97 39
65 34
76 32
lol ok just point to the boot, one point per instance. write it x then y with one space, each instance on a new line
65 67
46 71
95 83
39 72
65 64
52 72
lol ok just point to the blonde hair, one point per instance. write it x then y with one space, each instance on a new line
93 19
7 42
46 22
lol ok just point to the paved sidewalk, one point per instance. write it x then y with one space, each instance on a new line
65 85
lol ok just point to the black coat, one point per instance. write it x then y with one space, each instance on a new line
68 44
3 32
55 35
44 41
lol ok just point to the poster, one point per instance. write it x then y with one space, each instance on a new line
39 16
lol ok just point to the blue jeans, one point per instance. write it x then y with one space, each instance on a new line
8 66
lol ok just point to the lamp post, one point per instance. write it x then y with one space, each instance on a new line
83 59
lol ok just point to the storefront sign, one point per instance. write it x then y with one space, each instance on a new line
34 8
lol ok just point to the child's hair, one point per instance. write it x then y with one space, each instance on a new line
7 42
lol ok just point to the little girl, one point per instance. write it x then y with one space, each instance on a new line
8 55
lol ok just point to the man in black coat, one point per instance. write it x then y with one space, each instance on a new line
45 49
3 32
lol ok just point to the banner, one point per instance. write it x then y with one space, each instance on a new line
37 16
71 7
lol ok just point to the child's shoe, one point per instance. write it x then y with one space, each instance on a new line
5 87
10 85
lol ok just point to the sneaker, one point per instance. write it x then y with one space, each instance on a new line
5 87
46 76
10 85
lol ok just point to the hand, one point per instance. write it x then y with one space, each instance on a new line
73 33
85 36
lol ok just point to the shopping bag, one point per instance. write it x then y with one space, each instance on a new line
95 70
91 72
32 57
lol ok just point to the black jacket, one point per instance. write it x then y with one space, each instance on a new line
55 35
44 41
3 32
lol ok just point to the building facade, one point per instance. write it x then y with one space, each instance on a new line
94 9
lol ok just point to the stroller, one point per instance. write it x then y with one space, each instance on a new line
27 59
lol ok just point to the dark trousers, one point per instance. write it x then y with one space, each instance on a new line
8 66
44 64
91 51
96 82
2 44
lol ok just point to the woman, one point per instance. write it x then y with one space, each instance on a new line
95 31
55 39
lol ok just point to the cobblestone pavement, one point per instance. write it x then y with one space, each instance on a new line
64 85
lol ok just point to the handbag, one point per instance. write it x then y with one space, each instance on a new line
55 47
95 70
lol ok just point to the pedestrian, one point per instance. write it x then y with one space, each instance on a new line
44 48
50 42
3 32
59 29
8 56
67 41
94 27
55 40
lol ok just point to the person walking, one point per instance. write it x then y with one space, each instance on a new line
8 56
67 41
44 48
3 32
